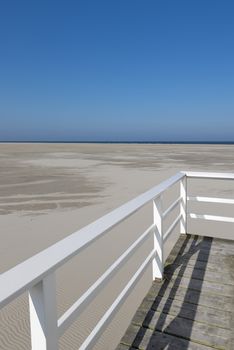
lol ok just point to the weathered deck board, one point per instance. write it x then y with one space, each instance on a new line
193 307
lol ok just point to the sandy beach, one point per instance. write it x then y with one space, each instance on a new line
48 191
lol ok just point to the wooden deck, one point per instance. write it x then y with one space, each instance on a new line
193 307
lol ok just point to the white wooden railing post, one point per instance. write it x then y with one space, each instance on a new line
43 314
158 238
183 205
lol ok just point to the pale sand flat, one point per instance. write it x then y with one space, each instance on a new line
48 191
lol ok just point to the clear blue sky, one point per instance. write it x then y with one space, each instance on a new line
117 70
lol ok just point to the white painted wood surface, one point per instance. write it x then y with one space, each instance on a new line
72 313
43 314
211 200
157 265
207 175
171 207
183 205
91 339
171 228
211 217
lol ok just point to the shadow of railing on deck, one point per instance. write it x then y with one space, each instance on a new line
175 327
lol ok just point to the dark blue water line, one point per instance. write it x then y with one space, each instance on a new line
129 142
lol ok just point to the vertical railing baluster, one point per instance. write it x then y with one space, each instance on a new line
183 205
158 238
43 314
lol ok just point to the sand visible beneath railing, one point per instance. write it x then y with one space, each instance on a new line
48 191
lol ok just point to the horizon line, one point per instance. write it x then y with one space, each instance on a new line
119 142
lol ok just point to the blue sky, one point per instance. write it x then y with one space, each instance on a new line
149 70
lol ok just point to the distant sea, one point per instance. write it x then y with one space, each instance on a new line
131 142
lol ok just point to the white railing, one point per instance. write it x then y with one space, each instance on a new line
214 176
37 274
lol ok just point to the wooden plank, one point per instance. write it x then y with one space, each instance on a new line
146 339
204 250
217 302
219 253
123 347
212 249
203 333
218 276
226 242
198 285
184 243
199 313
202 265
209 258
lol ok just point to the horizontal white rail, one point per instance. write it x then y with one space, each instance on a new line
90 340
171 207
211 200
171 228
207 175
211 217
71 314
